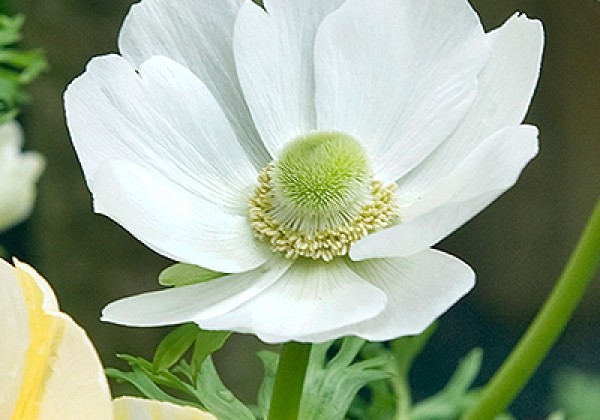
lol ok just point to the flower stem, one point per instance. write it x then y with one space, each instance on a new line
289 381
546 327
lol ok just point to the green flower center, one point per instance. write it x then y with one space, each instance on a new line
319 197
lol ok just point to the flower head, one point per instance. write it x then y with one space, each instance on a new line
19 173
313 150
50 368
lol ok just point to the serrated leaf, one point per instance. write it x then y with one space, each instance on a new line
330 387
182 274
164 377
145 386
217 399
174 345
206 343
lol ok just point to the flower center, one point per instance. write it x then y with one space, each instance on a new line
319 197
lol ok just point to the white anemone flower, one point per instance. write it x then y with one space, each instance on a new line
313 150
50 369
19 173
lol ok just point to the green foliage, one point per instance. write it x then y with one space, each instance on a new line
206 343
169 377
391 399
17 67
217 399
173 346
330 385
150 383
337 371
577 393
182 274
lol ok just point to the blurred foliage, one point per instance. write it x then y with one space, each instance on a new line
170 377
577 394
17 67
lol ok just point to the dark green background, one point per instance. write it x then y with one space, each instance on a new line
517 246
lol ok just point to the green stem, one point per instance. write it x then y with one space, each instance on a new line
289 381
403 397
546 327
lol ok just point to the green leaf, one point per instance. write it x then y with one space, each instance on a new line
10 29
206 343
17 67
145 385
163 378
182 274
217 399
331 386
269 360
174 345
577 393
391 399
206 390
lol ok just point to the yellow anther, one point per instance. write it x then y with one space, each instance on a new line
378 213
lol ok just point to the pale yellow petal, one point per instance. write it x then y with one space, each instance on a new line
63 377
14 330
128 408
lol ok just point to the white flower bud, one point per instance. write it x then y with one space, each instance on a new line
19 172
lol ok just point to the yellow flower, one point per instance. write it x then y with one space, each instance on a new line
50 369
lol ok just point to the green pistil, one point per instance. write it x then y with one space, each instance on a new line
320 181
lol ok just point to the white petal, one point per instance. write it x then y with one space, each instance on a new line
493 165
419 288
161 117
274 56
129 408
398 75
312 297
506 86
197 302
451 201
199 35
175 222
